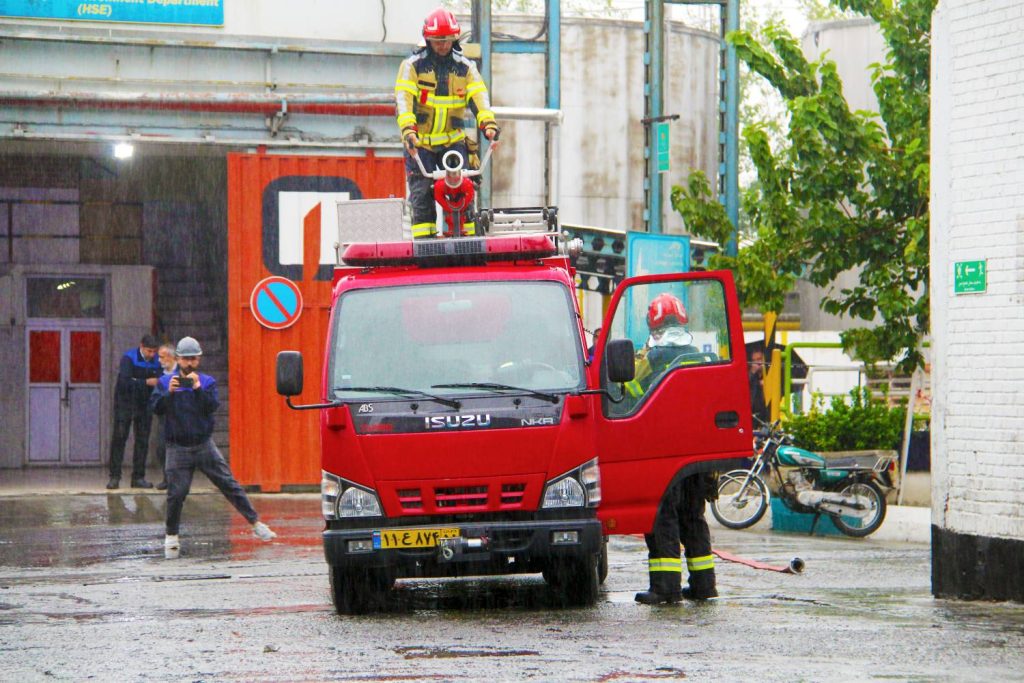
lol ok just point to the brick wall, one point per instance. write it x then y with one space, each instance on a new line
977 209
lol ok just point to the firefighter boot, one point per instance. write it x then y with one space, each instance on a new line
702 585
664 585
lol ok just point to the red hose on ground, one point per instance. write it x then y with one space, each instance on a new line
795 566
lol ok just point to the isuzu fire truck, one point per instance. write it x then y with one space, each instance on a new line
466 431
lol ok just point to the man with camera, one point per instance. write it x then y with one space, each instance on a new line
187 399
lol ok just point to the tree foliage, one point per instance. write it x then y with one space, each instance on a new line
846 189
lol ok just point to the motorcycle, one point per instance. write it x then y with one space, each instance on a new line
848 490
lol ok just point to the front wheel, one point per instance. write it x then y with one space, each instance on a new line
868 520
577 580
742 499
359 591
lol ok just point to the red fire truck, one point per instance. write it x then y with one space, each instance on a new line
466 430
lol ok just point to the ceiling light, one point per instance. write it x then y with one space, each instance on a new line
123 150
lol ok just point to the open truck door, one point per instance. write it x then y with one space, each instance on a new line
687 409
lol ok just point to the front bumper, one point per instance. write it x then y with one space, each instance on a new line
482 548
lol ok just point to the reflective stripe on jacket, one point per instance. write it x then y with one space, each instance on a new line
433 93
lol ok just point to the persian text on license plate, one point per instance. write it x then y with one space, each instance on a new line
387 539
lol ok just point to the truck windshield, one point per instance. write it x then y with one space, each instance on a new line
522 334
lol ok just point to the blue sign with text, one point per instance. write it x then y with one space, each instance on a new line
192 12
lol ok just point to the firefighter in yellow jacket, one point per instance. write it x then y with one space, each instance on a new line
436 88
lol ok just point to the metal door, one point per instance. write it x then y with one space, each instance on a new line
65 391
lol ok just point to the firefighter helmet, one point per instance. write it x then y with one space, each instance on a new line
665 309
441 25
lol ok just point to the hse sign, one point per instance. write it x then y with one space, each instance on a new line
276 303
969 277
191 12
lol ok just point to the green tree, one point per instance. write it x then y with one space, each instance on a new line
846 189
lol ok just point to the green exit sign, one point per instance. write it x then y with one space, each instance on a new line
662 147
969 277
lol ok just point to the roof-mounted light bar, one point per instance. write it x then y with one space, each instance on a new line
462 251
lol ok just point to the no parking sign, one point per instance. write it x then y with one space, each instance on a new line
276 302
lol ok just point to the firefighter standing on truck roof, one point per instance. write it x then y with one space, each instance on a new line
434 88
680 516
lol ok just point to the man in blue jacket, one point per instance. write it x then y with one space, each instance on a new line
188 399
136 377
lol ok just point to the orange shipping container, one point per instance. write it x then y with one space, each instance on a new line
282 221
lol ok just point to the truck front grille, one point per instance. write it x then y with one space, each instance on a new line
512 495
461 497
410 499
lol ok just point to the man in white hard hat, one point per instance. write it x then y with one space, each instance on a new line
187 399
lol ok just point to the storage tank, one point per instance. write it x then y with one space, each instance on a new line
601 140
853 44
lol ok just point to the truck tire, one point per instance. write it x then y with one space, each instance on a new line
576 580
602 562
359 591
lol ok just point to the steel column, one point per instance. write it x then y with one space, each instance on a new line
732 106
654 64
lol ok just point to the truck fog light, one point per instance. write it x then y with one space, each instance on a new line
564 493
360 545
357 502
565 537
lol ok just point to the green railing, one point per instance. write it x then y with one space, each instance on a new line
787 366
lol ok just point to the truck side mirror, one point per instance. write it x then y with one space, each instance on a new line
289 373
620 359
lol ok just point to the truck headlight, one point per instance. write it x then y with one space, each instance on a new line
564 493
340 498
358 502
577 488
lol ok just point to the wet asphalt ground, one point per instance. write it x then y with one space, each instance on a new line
86 594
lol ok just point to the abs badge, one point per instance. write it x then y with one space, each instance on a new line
276 303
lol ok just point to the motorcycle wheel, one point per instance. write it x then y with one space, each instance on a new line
736 508
855 526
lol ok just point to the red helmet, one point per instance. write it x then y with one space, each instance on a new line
441 25
664 310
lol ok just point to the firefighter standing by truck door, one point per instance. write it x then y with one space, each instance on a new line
434 89
680 516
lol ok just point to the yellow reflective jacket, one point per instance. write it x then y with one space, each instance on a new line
432 94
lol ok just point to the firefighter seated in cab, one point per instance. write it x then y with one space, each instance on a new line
668 345
435 89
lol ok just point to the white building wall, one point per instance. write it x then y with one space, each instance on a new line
977 211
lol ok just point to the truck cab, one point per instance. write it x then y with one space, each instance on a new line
465 429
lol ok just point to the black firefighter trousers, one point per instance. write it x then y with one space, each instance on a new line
680 518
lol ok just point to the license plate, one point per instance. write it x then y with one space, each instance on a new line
386 539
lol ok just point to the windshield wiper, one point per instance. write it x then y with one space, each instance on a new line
451 403
493 386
